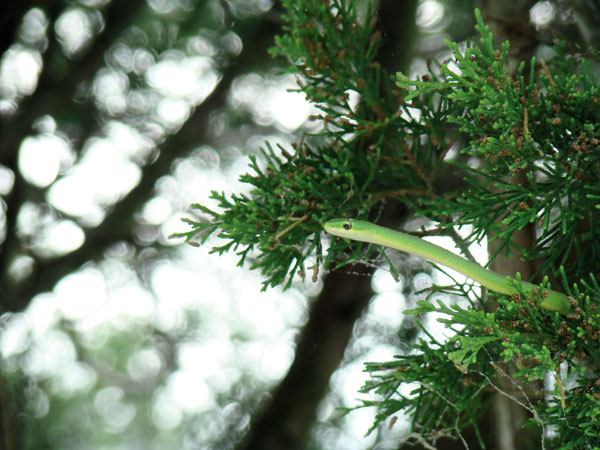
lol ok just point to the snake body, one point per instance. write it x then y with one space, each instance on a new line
360 230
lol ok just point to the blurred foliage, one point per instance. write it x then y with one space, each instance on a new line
125 100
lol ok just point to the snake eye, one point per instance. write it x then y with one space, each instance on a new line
347 225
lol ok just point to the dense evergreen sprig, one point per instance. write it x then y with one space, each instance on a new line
533 160
278 224
487 346
537 163
536 137
374 150
442 400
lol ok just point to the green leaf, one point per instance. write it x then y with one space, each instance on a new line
469 348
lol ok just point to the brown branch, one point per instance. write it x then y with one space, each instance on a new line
285 424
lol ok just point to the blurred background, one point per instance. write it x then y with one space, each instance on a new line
115 116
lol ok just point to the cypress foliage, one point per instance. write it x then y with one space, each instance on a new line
538 121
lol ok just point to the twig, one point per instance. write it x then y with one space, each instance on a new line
295 222
546 72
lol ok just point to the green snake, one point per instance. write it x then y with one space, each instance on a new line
360 230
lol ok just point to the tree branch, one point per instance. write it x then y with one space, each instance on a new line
286 422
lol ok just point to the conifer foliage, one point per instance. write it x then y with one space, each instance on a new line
536 121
